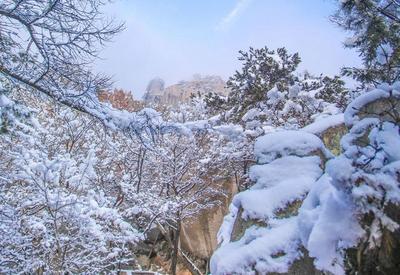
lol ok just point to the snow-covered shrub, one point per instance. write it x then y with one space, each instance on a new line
56 212
62 222
12 113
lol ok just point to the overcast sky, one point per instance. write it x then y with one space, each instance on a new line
174 39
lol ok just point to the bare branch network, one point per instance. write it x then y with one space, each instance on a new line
49 46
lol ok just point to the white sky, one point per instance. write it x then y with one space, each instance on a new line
175 39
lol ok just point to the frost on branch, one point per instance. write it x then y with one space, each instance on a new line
57 211
49 47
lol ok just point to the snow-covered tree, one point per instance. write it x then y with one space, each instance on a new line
269 89
47 46
61 222
56 214
375 29
262 69
297 106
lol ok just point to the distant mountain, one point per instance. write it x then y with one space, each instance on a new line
181 92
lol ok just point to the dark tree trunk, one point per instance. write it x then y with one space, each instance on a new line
177 234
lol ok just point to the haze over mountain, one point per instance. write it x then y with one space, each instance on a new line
183 90
175 39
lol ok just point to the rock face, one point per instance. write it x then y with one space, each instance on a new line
332 136
330 130
260 236
199 236
198 239
181 92
154 91
304 266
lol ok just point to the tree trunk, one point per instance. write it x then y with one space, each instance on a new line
176 247
181 255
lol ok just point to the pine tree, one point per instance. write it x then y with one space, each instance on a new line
375 25
269 85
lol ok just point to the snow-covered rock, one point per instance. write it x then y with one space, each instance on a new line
261 233
330 129
380 102
286 143
340 219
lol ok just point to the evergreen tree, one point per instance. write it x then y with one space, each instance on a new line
269 89
375 25
262 70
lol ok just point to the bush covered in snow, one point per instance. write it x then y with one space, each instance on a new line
56 213
76 197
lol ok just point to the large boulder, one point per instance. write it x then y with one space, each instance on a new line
260 234
330 129
341 219
199 235
184 90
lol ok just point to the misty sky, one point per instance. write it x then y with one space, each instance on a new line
174 39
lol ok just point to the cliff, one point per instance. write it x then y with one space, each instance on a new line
182 92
